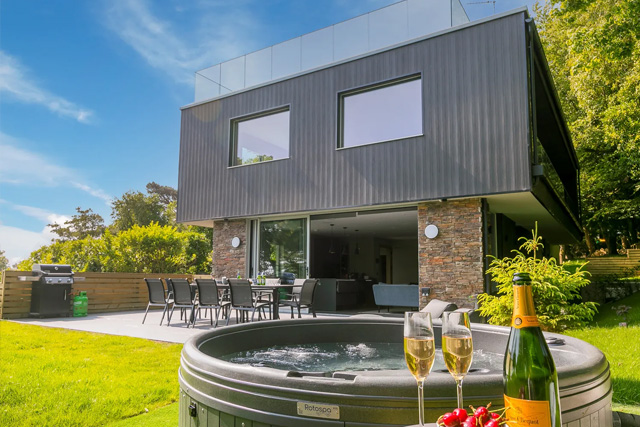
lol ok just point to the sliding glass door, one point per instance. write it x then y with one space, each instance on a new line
282 248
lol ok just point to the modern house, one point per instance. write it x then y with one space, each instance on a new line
334 155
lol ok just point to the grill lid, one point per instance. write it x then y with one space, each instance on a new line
54 270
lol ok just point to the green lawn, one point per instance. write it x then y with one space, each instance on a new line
622 348
56 377
167 416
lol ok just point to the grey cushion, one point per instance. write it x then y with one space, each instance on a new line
387 295
436 307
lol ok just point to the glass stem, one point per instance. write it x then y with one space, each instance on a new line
421 402
459 390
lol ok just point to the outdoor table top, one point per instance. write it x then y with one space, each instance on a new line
259 287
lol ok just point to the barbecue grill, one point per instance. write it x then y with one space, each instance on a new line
51 289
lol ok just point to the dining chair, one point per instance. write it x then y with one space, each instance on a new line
304 299
169 292
183 298
243 301
157 297
209 298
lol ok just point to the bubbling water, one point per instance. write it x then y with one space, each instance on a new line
332 357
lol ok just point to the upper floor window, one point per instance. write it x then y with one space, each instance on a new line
381 112
260 137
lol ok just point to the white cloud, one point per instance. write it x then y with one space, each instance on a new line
95 192
38 213
16 82
222 31
21 166
18 243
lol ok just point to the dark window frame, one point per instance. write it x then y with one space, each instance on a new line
369 88
233 132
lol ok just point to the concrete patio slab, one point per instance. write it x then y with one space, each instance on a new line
129 323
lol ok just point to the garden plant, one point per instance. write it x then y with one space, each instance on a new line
556 291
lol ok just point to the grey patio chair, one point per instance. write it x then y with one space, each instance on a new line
169 292
157 297
183 298
209 298
436 307
304 299
243 301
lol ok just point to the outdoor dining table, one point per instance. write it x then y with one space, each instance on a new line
274 292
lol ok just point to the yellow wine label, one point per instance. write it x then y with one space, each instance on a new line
527 413
524 314
524 321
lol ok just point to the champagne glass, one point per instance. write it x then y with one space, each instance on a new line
457 347
419 351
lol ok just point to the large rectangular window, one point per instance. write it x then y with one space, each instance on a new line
382 112
259 138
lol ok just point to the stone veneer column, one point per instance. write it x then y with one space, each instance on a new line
227 260
451 264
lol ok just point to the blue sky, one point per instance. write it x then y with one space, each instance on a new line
90 92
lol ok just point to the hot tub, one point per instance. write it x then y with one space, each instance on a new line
214 392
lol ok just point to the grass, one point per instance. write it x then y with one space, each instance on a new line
621 346
167 416
55 377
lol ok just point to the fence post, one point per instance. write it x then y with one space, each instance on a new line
2 293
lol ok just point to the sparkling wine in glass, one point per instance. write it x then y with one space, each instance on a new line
457 347
419 351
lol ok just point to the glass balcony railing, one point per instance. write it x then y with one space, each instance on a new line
553 178
397 23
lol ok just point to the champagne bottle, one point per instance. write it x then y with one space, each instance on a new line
531 393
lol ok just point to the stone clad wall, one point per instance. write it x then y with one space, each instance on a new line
451 264
227 260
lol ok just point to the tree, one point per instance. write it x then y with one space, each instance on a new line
81 225
166 194
593 50
144 237
82 254
556 290
135 208
4 262
149 249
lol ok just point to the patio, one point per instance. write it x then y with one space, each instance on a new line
129 323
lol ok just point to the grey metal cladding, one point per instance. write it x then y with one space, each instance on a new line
475 138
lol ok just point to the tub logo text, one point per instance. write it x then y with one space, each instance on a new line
316 410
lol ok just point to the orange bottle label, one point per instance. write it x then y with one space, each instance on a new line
527 413
524 314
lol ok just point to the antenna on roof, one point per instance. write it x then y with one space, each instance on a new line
486 2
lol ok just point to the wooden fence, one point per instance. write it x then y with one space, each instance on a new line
614 265
107 292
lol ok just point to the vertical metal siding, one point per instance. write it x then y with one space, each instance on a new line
474 143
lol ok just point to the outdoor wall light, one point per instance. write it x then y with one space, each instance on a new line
431 231
235 242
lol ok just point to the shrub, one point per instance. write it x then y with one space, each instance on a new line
150 249
574 265
556 291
